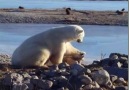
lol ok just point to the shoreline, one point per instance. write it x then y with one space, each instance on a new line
59 16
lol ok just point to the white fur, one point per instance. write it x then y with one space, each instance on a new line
49 45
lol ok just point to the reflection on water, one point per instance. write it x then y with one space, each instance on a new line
98 39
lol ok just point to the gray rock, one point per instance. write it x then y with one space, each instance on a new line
30 86
109 85
95 85
12 78
26 75
85 79
77 67
125 64
50 73
88 87
54 67
34 80
101 77
121 88
20 87
62 88
113 57
64 72
26 80
120 72
113 78
63 65
120 81
96 62
62 81
116 64
105 62
74 72
124 58
44 84
87 71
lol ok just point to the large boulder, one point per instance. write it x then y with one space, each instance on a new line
120 72
101 77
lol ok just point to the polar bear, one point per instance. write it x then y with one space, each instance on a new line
53 44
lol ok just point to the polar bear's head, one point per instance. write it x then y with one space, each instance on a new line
78 33
69 33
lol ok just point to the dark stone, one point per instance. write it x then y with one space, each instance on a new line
125 64
113 78
63 65
107 62
120 72
121 88
116 64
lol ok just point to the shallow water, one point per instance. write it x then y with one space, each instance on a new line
98 39
75 4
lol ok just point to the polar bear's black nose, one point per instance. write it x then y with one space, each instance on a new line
82 54
78 40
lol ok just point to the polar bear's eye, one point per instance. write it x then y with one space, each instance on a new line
79 31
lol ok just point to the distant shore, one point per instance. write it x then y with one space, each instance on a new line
59 16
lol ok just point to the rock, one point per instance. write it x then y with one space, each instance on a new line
124 58
44 84
113 78
62 81
120 81
50 73
96 62
120 72
34 80
125 64
95 85
114 54
64 72
109 85
74 72
121 88
20 87
30 86
62 88
88 87
101 77
12 78
26 75
26 80
85 79
87 71
63 65
105 62
77 67
116 64
113 57
54 67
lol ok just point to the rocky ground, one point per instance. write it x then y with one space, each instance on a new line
59 16
107 74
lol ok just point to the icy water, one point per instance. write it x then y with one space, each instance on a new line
98 39
74 4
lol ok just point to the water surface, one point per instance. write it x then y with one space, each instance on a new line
98 39
75 4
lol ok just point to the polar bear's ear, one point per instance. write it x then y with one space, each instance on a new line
79 31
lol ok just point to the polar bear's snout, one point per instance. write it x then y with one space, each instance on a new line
82 54
79 40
